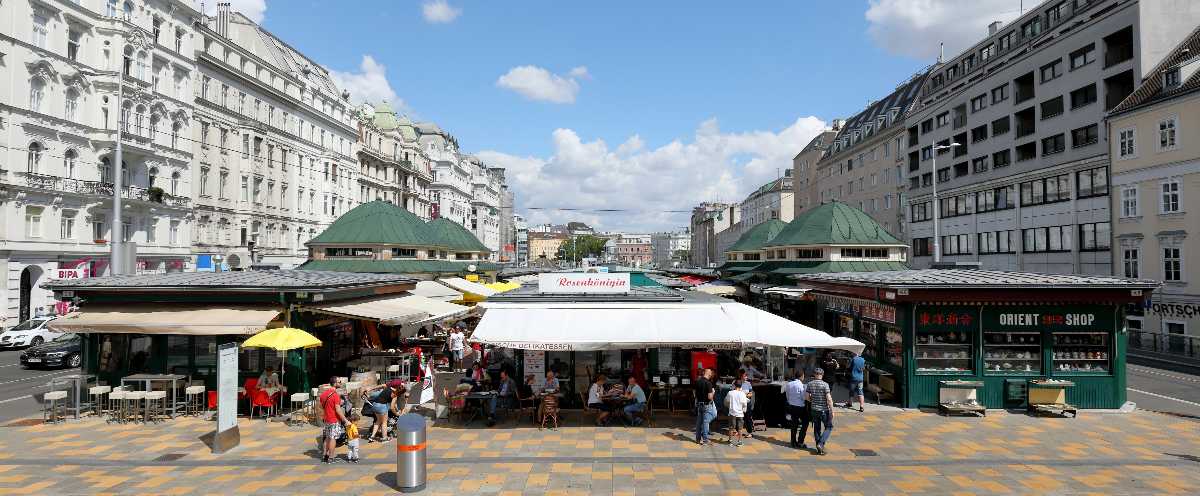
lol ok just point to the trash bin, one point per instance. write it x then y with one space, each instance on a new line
410 453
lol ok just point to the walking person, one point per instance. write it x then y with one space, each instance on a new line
797 409
738 403
857 367
334 419
821 402
706 410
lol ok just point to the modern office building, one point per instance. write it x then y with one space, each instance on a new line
1026 188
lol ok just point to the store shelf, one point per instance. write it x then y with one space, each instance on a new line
1006 345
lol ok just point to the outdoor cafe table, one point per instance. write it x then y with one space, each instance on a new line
481 398
147 379
77 386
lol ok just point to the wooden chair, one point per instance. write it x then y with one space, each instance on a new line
549 411
587 410
647 414
525 405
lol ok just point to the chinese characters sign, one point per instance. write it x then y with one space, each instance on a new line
946 318
864 308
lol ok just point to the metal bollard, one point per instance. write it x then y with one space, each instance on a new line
410 453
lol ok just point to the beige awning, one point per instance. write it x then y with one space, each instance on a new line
436 291
467 286
398 309
178 318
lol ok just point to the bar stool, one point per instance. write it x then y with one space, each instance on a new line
133 406
156 405
303 400
52 406
195 397
116 400
392 372
99 395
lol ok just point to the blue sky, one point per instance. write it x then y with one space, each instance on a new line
650 106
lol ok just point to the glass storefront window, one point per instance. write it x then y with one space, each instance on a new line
895 346
944 352
845 326
869 335
1012 353
1081 352
178 354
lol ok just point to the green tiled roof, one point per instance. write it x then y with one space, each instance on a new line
385 117
738 266
388 266
377 222
445 232
833 223
796 267
757 236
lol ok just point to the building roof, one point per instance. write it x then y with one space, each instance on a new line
445 232
1151 91
792 267
241 281
757 236
833 223
376 222
900 100
972 278
398 266
385 118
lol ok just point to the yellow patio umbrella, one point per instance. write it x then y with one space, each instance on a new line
282 339
501 287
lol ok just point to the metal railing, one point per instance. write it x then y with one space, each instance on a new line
1157 342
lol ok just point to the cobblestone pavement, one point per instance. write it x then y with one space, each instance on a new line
873 453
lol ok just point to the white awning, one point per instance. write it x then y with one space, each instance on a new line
435 291
182 319
789 292
467 286
589 327
397 309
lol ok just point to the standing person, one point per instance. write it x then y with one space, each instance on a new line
637 399
821 402
455 342
639 366
738 402
797 408
334 419
379 400
352 438
706 410
857 366
743 383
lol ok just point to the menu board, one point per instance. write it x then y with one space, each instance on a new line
535 365
227 435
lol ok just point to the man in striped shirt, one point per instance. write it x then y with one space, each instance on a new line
821 400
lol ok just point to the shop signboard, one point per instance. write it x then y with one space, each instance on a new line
945 318
1047 318
227 434
535 365
1175 309
873 310
578 283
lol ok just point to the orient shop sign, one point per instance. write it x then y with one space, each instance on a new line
575 283
946 318
1047 318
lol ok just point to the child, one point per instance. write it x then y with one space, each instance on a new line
352 438
738 401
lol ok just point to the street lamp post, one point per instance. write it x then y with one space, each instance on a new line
116 263
937 239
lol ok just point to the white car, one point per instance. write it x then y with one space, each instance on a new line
32 332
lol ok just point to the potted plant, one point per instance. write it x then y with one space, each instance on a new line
155 194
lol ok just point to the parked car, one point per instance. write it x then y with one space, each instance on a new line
32 332
63 351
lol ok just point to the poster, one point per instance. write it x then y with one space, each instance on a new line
535 365
227 388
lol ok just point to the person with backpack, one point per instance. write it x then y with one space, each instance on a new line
334 419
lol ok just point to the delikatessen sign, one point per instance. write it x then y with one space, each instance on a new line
560 283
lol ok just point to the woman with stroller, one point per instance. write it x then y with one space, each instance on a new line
381 401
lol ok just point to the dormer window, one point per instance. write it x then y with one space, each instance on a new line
1171 79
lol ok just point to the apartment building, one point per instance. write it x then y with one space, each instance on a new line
484 214
275 163
78 77
705 226
634 250
1154 141
670 249
1014 124
863 165
392 165
804 165
450 191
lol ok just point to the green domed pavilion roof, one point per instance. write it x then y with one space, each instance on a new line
453 235
758 236
833 223
377 222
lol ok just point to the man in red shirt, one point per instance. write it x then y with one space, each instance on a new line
334 419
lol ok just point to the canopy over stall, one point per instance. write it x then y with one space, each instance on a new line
578 326
468 287
185 319
436 291
404 309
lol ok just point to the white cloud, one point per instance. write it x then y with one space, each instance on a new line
369 85
538 84
439 12
712 166
255 10
915 27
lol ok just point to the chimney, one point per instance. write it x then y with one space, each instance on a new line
223 19
838 123
994 27
941 53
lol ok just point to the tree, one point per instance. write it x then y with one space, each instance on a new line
582 247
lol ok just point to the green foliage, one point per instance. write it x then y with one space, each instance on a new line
581 247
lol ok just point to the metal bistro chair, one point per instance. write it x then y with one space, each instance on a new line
549 411
55 401
156 405
133 406
116 401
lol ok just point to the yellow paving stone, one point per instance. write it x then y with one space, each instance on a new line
811 486
538 479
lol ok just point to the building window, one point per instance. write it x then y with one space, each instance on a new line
1031 29
1129 201
1001 159
1046 239
1083 56
956 244
1167 133
1083 96
979 164
922 247
1094 236
943 119
921 211
979 134
809 253
66 225
1001 126
245 189
1006 41
1169 201
995 242
1052 108
33 159
1085 135
956 206
37 94
33 221
1131 263
1028 151
999 198
978 103
1172 264
1127 143
1052 71
1046 190
1054 144
404 253
1000 93
1092 182
98 229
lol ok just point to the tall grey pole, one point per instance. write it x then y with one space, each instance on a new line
937 240
116 264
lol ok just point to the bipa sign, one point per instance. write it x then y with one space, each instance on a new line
583 283
70 273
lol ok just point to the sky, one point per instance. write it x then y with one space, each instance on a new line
650 107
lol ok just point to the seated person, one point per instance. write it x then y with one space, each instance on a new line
551 381
526 389
269 378
637 398
506 393
474 376
596 399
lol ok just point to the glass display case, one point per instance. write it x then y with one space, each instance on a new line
944 353
869 335
895 346
1081 353
1006 353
